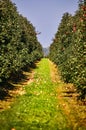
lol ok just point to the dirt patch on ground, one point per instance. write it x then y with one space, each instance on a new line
55 76
30 78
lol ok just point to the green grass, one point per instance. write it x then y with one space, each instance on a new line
38 108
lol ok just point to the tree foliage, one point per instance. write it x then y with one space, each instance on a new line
18 42
68 49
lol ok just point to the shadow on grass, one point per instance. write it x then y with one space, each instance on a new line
18 77
77 96
22 76
68 93
4 90
15 78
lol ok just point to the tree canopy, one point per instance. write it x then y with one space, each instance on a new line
19 46
68 49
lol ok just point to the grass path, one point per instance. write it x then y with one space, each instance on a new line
39 108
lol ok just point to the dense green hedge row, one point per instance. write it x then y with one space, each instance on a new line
19 46
68 49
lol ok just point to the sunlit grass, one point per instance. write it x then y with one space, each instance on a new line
38 108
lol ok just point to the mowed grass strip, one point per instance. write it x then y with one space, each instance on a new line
38 108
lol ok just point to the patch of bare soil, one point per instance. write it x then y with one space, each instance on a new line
55 76
73 109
